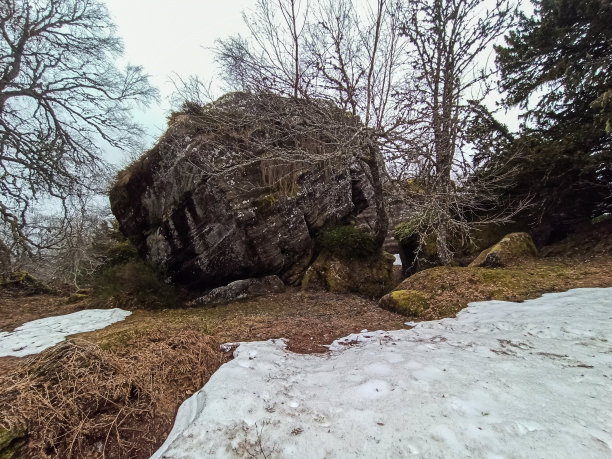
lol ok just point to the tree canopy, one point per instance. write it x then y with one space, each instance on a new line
557 66
62 98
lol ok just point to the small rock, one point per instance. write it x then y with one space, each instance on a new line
411 303
240 290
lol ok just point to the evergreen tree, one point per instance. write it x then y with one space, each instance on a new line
557 66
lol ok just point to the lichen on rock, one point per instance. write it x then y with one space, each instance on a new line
410 303
238 188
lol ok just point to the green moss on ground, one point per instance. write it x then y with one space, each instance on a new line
11 440
452 288
407 302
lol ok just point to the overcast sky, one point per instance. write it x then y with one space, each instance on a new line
168 37
176 37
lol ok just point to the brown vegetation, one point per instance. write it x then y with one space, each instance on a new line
447 290
77 400
114 392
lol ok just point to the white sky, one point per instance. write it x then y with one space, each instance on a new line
173 37
176 37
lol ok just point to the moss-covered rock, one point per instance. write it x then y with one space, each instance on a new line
450 289
24 282
406 302
346 241
11 440
512 247
370 276
76 298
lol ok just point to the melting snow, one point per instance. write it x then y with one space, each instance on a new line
503 379
398 260
38 335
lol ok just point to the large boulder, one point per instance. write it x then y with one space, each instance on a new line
236 189
512 247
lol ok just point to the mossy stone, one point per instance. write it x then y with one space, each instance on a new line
406 302
512 247
24 281
11 440
369 276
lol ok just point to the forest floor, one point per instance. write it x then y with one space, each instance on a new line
164 356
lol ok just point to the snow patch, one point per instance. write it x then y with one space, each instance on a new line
36 336
501 380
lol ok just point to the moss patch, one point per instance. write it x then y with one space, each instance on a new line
407 302
454 287
371 276
346 241
11 440
405 230
512 247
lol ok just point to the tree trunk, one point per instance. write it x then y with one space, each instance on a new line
381 227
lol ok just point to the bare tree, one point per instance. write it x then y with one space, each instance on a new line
61 98
271 60
448 42
414 73
359 57
338 54
74 257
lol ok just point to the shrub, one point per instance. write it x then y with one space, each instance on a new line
135 282
347 241
24 282
405 230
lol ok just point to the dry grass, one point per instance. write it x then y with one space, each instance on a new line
73 397
308 320
77 400
114 392
16 308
